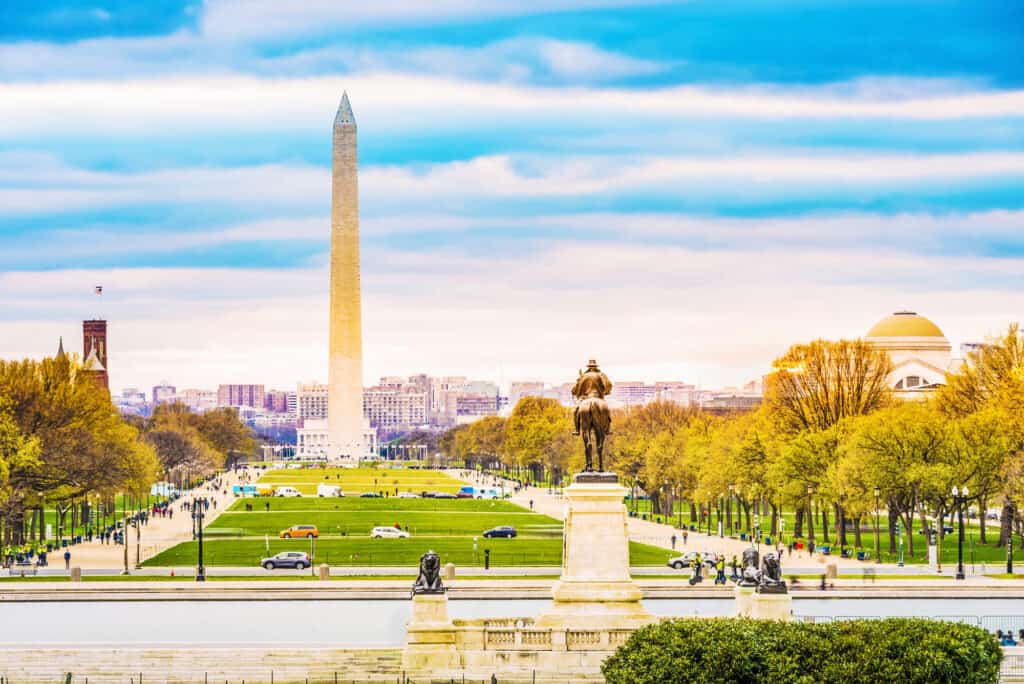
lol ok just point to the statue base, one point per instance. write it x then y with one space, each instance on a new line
595 590
763 606
602 477
430 635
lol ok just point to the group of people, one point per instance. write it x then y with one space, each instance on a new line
697 565
1006 638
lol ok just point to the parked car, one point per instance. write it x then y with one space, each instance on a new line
371 495
444 495
500 531
408 495
306 531
287 559
287 491
467 492
708 558
388 533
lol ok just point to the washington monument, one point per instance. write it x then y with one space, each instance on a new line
345 363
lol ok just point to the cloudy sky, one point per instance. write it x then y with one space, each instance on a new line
680 189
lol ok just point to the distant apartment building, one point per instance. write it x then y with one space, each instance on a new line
632 393
240 395
163 393
518 390
311 401
391 407
471 407
276 401
198 400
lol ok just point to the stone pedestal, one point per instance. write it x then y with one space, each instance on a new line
595 590
430 640
751 604
744 601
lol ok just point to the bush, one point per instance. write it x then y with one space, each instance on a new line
903 650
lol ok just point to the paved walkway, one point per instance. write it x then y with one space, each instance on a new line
159 534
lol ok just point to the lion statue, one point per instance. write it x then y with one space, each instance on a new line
771 576
750 575
429 579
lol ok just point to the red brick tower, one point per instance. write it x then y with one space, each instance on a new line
94 349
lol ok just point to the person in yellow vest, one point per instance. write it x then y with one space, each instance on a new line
720 570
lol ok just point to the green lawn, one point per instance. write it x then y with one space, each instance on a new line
982 553
355 503
395 552
359 523
448 526
354 481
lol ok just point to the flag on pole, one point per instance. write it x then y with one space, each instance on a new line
99 289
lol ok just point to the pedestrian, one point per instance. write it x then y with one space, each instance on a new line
735 567
673 542
531 504
720 570
67 559
686 534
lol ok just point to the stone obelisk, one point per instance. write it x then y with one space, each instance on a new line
345 372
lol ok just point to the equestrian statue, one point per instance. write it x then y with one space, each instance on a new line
592 418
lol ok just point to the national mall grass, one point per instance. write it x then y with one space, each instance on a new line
240 537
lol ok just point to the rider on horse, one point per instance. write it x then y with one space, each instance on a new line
590 385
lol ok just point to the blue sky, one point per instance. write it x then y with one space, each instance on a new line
681 189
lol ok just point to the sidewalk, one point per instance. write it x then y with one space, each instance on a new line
157 535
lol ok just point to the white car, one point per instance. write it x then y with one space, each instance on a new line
408 495
708 558
388 533
287 491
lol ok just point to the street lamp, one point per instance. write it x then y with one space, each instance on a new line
959 499
878 552
197 518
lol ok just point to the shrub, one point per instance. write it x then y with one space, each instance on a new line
903 650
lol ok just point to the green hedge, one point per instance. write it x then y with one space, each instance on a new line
893 651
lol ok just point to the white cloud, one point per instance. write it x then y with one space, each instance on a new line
242 19
175 105
32 184
719 316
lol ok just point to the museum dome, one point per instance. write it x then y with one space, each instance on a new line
905 324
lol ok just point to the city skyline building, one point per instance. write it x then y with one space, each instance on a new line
240 395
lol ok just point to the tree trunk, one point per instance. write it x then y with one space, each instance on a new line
775 520
693 513
1005 522
893 518
824 525
982 512
856 531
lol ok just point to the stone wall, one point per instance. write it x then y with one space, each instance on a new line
193 664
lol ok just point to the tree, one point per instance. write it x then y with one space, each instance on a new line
538 436
994 371
816 385
82 444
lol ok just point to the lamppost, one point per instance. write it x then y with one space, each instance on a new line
197 518
959 500
721 526
899 535
878 548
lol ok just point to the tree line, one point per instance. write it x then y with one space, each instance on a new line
830 442
64 446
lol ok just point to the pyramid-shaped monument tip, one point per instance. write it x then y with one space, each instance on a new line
344 117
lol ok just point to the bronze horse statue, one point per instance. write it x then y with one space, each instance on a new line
592 418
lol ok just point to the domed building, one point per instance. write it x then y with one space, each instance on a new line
920 353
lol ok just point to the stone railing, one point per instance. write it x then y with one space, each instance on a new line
521 635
